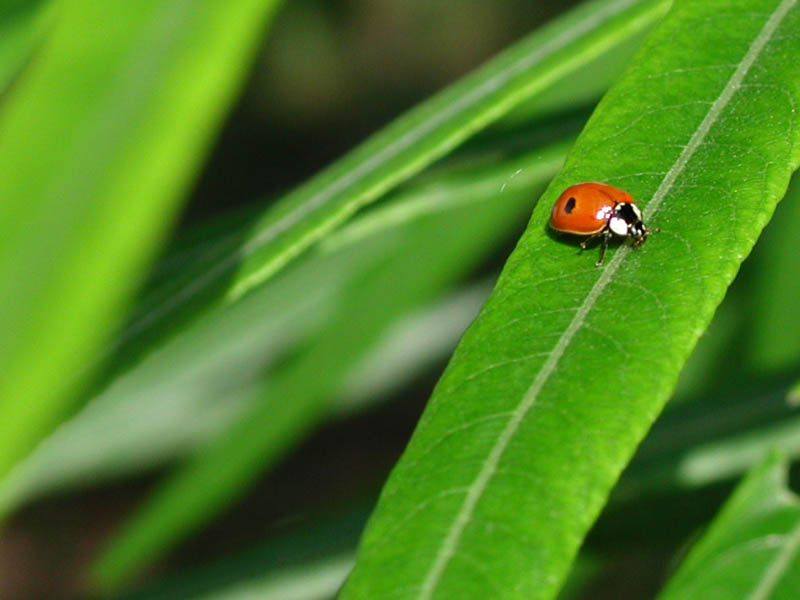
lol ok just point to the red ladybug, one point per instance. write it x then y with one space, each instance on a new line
599 210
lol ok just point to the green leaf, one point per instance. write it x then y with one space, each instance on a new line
713 440
539 64
751 549
314 581
774 343
793 397
566 367
152 415
585 568
187 390
98 143
310 562
413 345
584 87
183 287
412 250
23 24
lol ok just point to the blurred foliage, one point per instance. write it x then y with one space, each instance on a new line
97 146
750 549
347 340
407 259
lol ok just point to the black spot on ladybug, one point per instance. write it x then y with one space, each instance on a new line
569 205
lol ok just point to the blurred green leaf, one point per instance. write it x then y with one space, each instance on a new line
418 246
566 367
192 277
315 581
584 87
23 24
318 580
793 397
435 127
585 568
97 144
774 343
411 346
309 562
713 440
184 391
716 350
182 287
403 149
754 334
750 550
154 414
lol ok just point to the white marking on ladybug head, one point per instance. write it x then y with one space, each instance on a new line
618 226
636 211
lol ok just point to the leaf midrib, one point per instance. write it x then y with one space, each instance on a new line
476 489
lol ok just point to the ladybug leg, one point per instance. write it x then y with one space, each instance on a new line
585 243
639 241
605 235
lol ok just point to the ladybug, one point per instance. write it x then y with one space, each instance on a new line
599 210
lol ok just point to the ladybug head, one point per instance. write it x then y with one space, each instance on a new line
637 231
627 216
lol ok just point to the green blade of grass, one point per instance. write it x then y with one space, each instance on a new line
566 367
98 142
750 551
456 225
